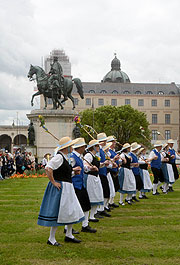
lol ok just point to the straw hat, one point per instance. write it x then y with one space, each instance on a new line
65 142
141 149
101 137
135 146
107 146
93 143
111 138
171 141
165 145
157 144
125 146
80 142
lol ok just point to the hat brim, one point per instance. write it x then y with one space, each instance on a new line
107 146
158 145
91 145
79 145
103 139
137 147
68 145
125 148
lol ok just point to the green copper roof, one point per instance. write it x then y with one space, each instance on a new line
116 75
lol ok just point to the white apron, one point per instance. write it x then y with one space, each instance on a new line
129 183
146 179
111 185
170 172
94 189
70 210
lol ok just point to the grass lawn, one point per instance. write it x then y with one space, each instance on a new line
145 233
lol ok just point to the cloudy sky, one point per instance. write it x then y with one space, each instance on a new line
145 34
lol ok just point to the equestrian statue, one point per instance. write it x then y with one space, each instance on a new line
54 85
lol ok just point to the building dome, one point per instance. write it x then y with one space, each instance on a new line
116 75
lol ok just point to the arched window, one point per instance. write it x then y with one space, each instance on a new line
5 142
138 92
91 91
20 139
149 92
171 93
160 93
103 92
126 92
115 92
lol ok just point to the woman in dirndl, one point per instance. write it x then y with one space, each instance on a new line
60 205
93 184
144 173
127 180
167 169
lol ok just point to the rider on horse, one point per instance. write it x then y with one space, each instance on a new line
56 74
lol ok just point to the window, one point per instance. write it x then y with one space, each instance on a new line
138 92
126 92
114 102
154 102
171 93
91 91
160 93
167 134
88 101
101 102
103 92
154 135
127 101
167 103
149 92
154 118
76 101
140 102
167 118
115 92
49 101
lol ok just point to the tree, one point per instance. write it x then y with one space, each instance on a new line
124 122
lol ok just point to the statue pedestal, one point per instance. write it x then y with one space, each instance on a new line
59 122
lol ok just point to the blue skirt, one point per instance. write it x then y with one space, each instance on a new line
49 210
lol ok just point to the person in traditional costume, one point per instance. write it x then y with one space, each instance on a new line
111 165
144 173
93 183
155 159
102 138
174 156
126 177
135 168
167 169
79 184
60 205
113 171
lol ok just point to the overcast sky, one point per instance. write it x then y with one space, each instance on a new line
145 34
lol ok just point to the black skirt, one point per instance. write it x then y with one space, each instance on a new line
83 198
105 186
158 175
139 183
176 174
114 176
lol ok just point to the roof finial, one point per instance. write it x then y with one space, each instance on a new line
115 54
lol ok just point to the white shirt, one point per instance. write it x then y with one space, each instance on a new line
56 161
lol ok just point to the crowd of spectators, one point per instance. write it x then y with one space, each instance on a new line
17 162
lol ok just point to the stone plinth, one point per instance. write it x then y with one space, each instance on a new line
58 122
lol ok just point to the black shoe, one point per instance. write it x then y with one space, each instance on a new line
132 201
97 215
141 198
93 220
114 205
157 193
161 188
128 202
170 189
104 213
145 197
73 240
55 244
74 232
107 209
88 229
122 203
135 199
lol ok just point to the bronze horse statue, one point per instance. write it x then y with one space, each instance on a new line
46 91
